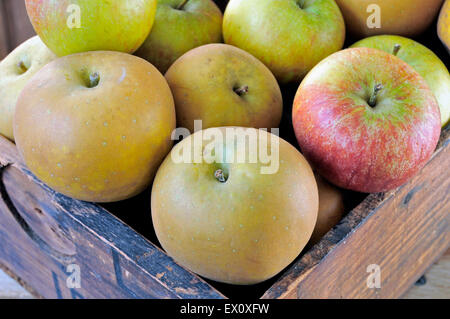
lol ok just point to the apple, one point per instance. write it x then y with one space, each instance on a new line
73 26
227 220
401 17
15 71
95 126
444 24
366 120
331 209
423 60
181 25
289 36
222 85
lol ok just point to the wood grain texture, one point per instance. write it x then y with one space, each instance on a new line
437 284
43 232
403 231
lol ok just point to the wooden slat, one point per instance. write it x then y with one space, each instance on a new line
437 282
42 232
403 231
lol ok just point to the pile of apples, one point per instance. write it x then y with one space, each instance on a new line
97 123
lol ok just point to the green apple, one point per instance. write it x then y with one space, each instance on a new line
289 36
15 71
95 126
444 24
181 25
423 60
228 220
222 85
72 26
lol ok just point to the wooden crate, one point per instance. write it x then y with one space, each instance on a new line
43 233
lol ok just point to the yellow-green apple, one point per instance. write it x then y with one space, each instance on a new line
423 60
95 126
222 85
366 120
229 220
331 209
181 25
444 24
15 71
289 36
73 26
402 17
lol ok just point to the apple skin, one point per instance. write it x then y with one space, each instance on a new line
175 32
354 145
204 82
33 55
243 231
286 38
444 24
400 17
102 143
331 209
113 25
423 60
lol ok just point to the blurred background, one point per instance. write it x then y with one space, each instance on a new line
14 25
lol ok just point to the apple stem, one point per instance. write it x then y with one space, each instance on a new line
242 90
219 174
181 6
373 98
22 67
94 79
396 49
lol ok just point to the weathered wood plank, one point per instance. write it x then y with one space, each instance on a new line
403 231
43 232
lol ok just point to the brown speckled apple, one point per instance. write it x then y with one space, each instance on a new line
400 17
444 24
241 226
15 71
95 126
366 120
181 25
224 86
331 209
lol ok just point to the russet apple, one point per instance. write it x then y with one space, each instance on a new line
289 36
444 24
400 17
15 71
181 25
73 26
366 120
95 126
227 221
331 209
423 60
224 86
